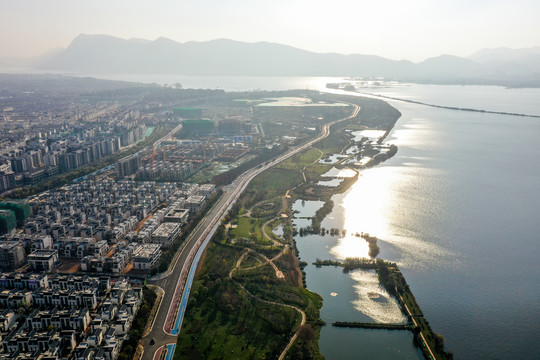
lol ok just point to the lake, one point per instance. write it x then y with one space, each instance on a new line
457 208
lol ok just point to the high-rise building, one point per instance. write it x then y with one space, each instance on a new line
19 164
7 180
128 165
12 255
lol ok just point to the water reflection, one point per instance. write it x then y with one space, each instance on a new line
342 173
377 204
330 183
367 208
373 300
371 134
350 246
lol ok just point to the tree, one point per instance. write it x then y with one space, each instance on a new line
306 333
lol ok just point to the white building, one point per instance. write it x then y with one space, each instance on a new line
166 233
146 256
43 260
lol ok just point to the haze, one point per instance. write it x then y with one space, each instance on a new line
413 30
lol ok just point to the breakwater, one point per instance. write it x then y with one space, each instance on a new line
452 107
431 343
364 325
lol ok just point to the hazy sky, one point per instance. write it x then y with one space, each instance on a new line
397 29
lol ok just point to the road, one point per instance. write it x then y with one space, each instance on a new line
177 281
168 136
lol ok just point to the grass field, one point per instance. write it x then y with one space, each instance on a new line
245 227
275 182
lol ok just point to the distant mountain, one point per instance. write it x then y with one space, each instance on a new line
102 54
106 54
507 63
31 62
503 54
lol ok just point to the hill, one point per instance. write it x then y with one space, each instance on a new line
102 54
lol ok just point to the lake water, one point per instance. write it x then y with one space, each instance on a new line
355 296
457 208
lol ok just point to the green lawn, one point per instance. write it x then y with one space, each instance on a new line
333 144
246 227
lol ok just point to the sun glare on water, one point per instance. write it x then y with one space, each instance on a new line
368 208
373 301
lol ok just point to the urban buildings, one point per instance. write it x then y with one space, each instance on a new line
72 316
104 226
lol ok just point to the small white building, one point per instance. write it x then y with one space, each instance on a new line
195 203
207 189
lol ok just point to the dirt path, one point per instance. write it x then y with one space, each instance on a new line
279 273
303 322
284 203
239 262
250 210
268 237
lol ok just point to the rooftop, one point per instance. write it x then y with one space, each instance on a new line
146 250
166 229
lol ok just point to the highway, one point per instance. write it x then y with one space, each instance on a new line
176 282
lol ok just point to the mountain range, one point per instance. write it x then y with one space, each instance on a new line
102 54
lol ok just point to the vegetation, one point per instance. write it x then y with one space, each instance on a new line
372 325
349 263
225 321
320 214
272 183
380 157
372 244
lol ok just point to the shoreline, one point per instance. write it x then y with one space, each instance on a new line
430 343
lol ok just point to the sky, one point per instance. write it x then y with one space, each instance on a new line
396 29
